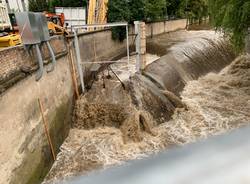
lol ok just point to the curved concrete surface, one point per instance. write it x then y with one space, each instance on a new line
189 60
186 59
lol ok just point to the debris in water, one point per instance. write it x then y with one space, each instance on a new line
174 99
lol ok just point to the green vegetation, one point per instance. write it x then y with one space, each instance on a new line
155 9
230 16
49 5
233 17
118 11
196 10
174 8
38 5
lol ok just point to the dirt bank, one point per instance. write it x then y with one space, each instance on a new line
215 104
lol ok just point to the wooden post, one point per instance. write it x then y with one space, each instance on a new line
248 42
73 73
46 129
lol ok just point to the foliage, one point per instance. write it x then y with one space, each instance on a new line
38 5
133 10
118 10
49 5
233 17
195 10
173 8
137 10
155 9
53 4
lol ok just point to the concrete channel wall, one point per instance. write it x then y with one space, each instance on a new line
25 154
157 28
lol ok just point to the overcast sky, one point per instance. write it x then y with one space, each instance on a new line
13 4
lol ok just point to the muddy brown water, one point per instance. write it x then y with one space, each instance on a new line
181 98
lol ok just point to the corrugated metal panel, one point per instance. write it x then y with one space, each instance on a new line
73 16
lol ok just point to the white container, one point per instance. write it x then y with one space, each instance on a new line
74 16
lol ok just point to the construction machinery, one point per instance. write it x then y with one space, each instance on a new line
97 12
56 24
7 34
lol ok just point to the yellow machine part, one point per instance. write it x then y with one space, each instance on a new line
97 12
102 12
91 12
10 40
55 29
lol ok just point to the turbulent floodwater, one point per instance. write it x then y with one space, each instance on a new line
216 103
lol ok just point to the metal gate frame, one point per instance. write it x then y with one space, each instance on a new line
77 49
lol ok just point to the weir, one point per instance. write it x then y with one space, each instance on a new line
110 125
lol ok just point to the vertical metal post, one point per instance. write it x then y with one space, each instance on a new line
23 5
52 56
137 46
78 60
128 52
40 63
8 6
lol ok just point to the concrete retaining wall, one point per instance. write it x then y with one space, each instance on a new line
25 154
164 27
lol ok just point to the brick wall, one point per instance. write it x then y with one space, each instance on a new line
17 62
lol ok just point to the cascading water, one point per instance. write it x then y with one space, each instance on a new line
113 125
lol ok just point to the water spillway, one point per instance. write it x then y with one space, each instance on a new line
183 62
178 99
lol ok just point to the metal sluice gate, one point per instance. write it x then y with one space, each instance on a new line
77 48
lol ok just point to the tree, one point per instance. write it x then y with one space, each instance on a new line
233 17
195 10
137 10
118 10
66 3
155 9
53 4
38 5
74 3
173 8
